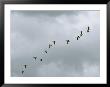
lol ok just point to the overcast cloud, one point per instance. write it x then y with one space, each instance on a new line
32 31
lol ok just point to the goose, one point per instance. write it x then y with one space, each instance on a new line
67 41
54 42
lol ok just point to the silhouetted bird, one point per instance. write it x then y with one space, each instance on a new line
40 59
25 66
67 41
22 71
45 51
35 57
81 33
78 37
53 42
88 29
50 45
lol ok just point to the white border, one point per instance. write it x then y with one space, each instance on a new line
64 80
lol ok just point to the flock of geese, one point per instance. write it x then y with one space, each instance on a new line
54 43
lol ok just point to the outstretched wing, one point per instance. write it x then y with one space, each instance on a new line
35 58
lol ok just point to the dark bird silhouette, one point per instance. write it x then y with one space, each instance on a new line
50 45
35 57
67 41
88 29
25 66
40 59
22 72
53 42
45 51
78 37
81 33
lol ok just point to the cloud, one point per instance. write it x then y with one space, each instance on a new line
32 31
91 70
51 69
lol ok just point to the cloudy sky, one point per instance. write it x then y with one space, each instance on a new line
32 31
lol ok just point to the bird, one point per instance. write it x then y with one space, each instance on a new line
25 66
50 45
88 29
40 59
68 41
35 57
78 37
53 42
45 51
81 33
22 71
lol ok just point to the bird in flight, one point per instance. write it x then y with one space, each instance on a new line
53 42
35 57
50 45
22 71
81 33
88 29
25 66
67 41
78 37
45 51
40 59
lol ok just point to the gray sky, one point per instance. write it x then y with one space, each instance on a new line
32 31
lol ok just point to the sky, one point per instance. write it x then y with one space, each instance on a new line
33 31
